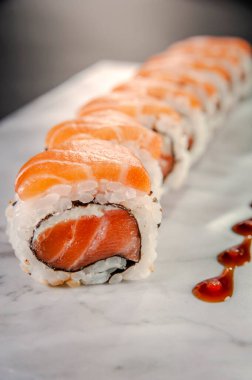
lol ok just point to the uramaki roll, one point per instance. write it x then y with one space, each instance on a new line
192 80
84 211
155 115
215 71
183 100
84 216
236 52
115 126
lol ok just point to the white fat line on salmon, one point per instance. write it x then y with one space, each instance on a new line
60 130
72 214
77 137
85 125
88 169
70 138
67 245
38 176
95 240
123 174
118 132
131 246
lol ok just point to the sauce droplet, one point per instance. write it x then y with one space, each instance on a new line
237 255
243 228
216 289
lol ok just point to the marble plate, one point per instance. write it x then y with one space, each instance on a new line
154 329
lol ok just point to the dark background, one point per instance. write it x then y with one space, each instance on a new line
44 42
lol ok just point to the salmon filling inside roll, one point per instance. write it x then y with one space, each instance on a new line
86 234
166 163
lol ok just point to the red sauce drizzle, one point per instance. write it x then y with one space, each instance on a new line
216 289
236 256
243 228
219 288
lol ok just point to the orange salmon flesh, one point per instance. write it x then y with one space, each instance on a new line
95 159
106 125
73 244
131 104
159 90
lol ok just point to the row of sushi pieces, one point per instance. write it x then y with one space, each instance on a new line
87 208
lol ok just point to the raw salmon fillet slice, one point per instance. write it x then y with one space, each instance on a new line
159 90
97 159
174 60
106 125
71 245
131 104
177 76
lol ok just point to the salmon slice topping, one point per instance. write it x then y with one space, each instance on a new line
175 60
93 159
179 77
159 89
72 243
132 104
106 125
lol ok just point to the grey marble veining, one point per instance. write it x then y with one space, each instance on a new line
154 329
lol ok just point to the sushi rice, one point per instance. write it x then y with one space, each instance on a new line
24 216
40 206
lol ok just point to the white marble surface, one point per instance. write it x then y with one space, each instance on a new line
150 330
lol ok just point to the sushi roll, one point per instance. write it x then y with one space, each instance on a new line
192 81
117 127
183 100
235 52
157 116
214 71
224 67
86 210
84 216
